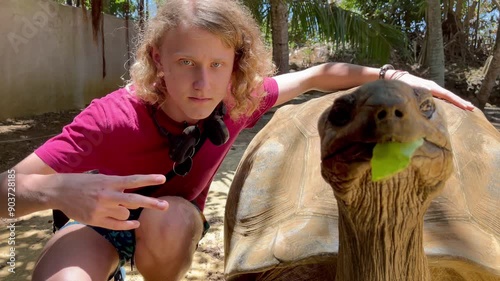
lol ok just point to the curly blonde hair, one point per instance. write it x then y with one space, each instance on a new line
229 20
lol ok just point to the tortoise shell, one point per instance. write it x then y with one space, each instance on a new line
282 217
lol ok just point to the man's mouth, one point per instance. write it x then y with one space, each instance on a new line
199 99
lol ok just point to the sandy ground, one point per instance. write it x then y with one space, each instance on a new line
21 136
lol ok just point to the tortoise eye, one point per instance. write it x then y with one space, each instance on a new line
427 108
341 112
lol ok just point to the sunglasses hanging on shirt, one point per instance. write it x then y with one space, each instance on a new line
184 146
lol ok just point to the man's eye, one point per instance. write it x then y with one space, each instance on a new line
186 62
216 64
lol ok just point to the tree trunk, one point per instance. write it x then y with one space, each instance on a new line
98 27
459 10
140 9
279 31
435 50
492 74
476 44
462 36
471 11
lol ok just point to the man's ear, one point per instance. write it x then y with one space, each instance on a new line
155 55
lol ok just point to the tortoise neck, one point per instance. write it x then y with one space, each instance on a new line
382 255
381 236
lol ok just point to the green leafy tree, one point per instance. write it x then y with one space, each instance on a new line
322 20
408 15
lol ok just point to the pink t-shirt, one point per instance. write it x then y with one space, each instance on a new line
116 135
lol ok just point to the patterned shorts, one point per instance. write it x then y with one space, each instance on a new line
124 240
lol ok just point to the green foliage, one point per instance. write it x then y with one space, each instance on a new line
373 39
261 10
407 14
117 8
320 21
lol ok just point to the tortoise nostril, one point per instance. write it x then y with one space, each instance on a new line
382 114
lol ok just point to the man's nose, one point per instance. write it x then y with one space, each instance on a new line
201 79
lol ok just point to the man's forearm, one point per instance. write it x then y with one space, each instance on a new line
20 194
333 76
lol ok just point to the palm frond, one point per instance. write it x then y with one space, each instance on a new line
318 20
259 9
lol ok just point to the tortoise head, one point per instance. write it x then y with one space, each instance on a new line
381 112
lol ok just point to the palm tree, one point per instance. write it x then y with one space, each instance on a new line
435 49
279 26
322 20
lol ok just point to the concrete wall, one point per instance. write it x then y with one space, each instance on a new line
49 60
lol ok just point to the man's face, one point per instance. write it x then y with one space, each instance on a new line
198 68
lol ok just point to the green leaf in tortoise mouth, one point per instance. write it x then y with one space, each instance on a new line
392 157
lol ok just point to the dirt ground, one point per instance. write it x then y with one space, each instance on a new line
19 137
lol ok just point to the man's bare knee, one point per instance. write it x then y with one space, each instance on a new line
166 241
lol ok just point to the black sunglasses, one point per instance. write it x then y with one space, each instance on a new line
182 147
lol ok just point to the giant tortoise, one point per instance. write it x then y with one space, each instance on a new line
303 204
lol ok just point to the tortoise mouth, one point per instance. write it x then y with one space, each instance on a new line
352 151
363 151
